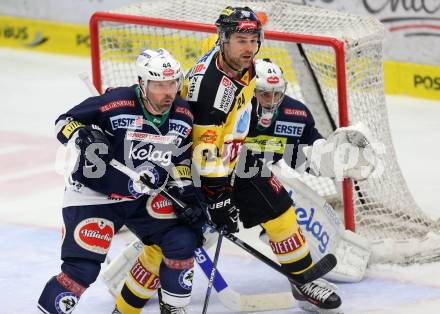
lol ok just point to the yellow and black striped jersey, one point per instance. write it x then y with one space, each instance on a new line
222 113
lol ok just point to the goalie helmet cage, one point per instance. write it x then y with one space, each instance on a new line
333 62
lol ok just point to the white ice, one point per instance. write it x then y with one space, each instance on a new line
36 88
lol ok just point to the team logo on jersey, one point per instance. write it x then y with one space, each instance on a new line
126 121
135 188
117 104
94 234
160 207
289 128
186 279
194 87
225 95
65 302
209 137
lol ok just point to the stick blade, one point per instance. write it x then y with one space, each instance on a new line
322 267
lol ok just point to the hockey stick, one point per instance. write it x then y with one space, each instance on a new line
213 271
319 269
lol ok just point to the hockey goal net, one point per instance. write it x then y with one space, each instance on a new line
333 62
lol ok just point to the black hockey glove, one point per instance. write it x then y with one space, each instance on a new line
222 208
194 211
94 144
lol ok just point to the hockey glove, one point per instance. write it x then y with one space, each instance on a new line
93 144
222 208
194 211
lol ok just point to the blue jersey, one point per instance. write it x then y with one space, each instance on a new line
157 145
292 126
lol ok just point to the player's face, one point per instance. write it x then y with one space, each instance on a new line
162 94
268 100
240 50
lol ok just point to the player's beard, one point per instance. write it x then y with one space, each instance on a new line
162 106
238 63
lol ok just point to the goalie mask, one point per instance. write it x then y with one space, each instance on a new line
270 90
158 65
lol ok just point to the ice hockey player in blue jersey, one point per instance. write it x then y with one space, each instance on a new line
286 130
147 127
284 124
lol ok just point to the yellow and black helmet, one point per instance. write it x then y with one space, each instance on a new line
238 20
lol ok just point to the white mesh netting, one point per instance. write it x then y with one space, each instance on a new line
384 207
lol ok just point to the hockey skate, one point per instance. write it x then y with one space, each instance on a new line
116 311
318 296
169 309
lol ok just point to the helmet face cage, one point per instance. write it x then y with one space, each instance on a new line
158 65
270 79
238 20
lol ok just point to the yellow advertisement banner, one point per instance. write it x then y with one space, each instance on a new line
411 79
44 36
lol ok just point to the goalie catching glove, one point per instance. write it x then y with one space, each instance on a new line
347 153
222 208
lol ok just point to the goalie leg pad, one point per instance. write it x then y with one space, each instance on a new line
288 243
142 281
